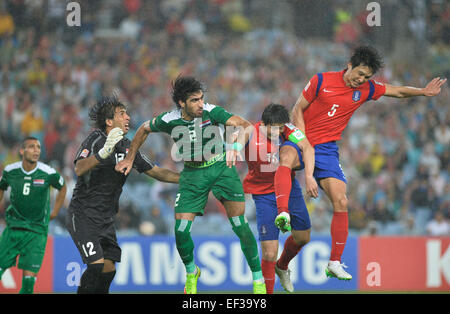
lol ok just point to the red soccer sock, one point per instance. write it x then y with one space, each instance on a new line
282 184
290 250
268 270
339 233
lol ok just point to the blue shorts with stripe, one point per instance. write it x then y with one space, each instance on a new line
326 161
266 212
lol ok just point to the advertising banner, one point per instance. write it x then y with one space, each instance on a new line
404 264
152 264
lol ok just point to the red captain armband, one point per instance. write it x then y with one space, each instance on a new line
293 133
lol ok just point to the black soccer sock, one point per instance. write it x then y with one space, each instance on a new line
89 279
104 282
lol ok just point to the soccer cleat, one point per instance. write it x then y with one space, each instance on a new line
259 287
285 279
191 282
283 222
335 269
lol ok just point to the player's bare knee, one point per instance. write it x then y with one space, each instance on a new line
341 204
288 157
270 256
301 239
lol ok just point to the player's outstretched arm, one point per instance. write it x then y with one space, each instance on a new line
139 138
60 197
297 113
433 88
163 174
296 136
238 139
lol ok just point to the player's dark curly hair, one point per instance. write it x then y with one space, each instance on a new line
104 109
275 114
183 86
367 55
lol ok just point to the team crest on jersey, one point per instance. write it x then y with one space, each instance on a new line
84 153
356 95
38 182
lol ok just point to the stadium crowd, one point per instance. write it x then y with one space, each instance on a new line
395 153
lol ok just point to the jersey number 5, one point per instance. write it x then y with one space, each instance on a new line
333 110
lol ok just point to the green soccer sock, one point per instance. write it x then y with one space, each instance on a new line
2 270
248 244
185 245
27 285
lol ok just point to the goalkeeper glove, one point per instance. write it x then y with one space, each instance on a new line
114 136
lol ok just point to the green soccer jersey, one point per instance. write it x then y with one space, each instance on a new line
196 140
30 195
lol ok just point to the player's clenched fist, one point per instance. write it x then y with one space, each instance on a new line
114 136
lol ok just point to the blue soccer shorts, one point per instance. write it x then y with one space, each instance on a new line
266 212
326 161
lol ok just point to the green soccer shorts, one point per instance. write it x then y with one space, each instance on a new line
28 245
196 183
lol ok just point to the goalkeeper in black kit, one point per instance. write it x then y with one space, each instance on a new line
95 200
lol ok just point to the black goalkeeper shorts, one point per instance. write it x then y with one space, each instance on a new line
95 238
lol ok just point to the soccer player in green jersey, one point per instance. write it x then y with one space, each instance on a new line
196 128
28 216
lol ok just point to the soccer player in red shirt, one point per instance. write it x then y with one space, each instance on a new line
322 111
272 136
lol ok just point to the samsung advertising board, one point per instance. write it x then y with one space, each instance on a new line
152 264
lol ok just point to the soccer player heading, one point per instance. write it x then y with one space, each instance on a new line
95 200
322 111
208 166
272 138
28 215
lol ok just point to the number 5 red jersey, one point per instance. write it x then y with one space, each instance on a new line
332 104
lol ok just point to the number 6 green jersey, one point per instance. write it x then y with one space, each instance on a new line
30 195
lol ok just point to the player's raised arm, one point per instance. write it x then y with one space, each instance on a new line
163 174
139 138
296 136
433 88
297 113
239 139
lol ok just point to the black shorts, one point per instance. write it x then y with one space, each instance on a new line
95 238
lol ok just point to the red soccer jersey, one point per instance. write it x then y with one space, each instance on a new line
262 156
332 104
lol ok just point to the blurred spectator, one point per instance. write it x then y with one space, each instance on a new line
380 213
155 219
438 226
130 27
6 22
408 226
320 219
372 229
357 217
